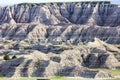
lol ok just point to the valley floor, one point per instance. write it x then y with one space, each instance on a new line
54 78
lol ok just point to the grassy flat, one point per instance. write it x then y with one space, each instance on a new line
53 78
113 72
18 78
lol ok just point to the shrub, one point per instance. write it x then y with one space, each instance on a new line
37 63
1 75
6 57
14 57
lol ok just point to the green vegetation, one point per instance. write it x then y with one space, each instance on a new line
113 72
113 79
53 78
6 57
57 78
1 76
14 57
18 78
37 63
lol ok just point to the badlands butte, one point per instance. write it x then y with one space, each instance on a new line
60 39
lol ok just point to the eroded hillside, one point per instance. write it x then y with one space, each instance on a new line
77 21
56 39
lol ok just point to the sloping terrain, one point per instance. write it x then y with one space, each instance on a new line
51 60
77 21
60 33
59 39
54 13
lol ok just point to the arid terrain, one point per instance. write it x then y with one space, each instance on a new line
77 39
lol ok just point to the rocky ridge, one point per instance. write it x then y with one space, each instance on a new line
72 33
77 21
74 61
75 13
57 38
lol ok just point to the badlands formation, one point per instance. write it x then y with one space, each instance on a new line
60 39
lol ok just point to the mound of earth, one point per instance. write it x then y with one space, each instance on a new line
38 64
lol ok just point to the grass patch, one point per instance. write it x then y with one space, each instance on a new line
57 78
113 72
112 79
53 78
1 76
18 78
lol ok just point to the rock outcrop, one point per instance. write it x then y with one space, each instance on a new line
102 60
77 13
39 60
55 20
53 39
102 55
73 33
38 64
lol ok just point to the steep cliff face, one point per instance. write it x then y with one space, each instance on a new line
66 21
77 13
59 30
73 33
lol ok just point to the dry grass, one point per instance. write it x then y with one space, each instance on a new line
113 72
53 78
